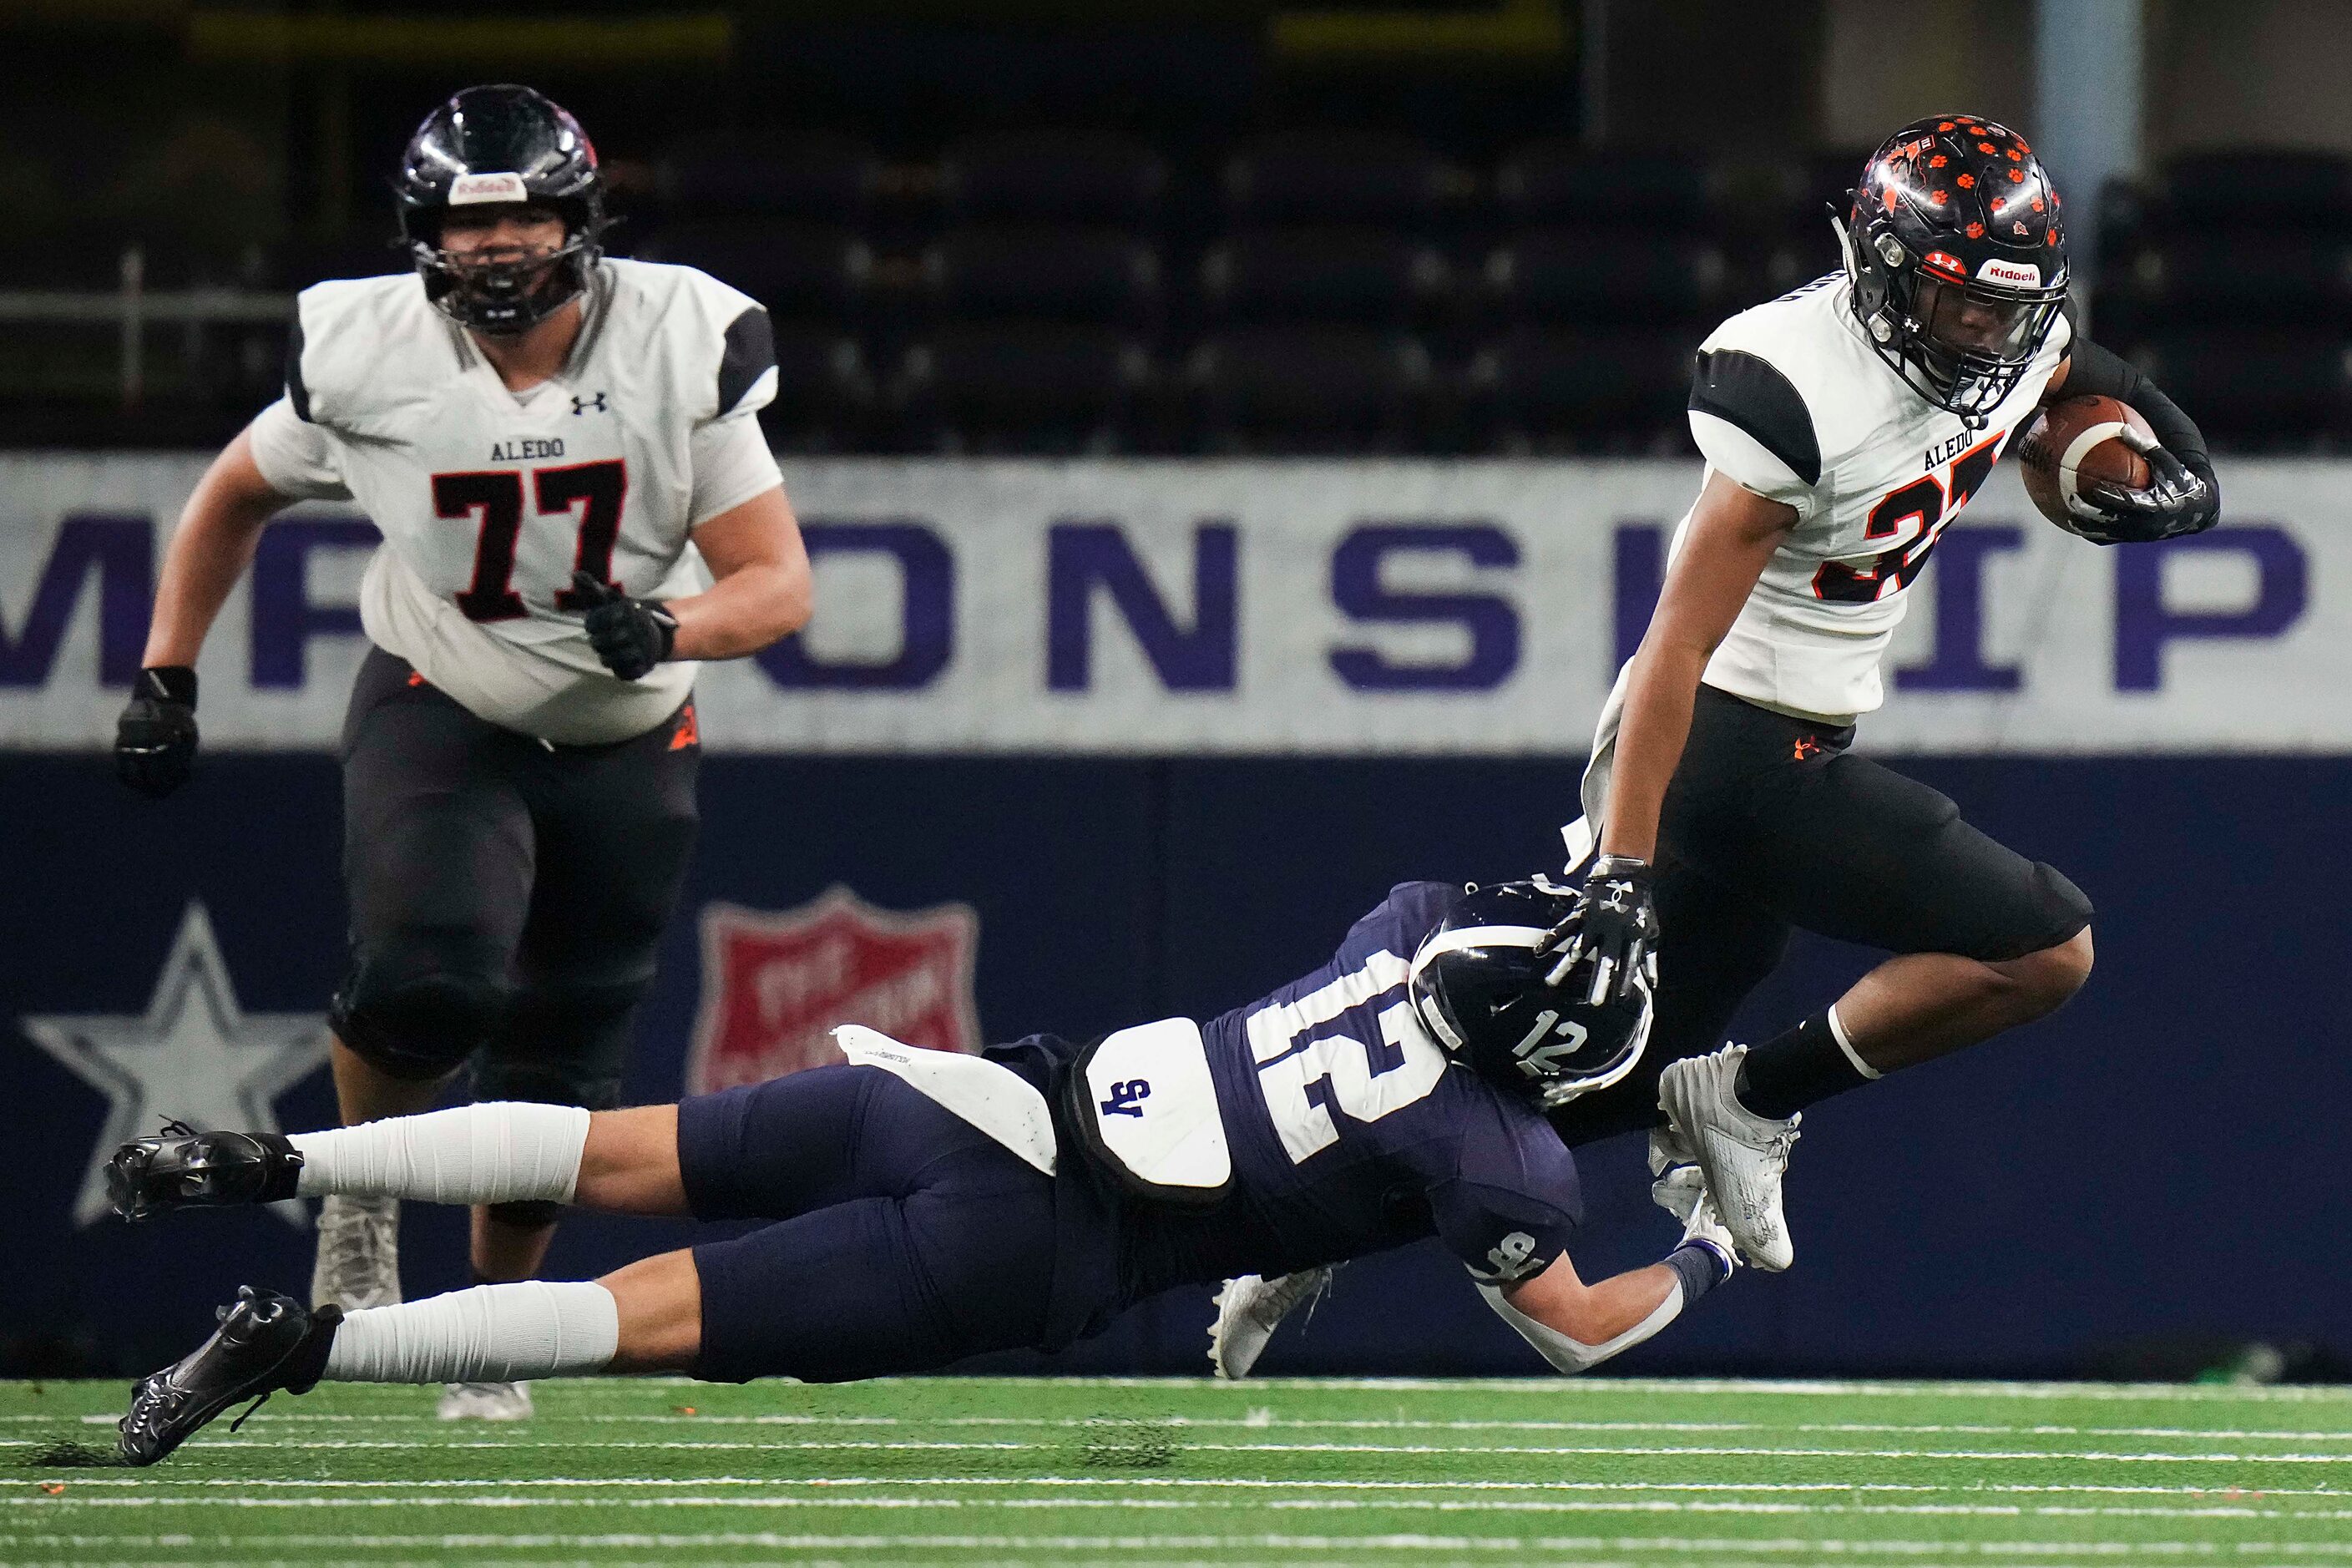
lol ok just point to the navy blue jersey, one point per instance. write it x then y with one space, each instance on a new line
1350 1132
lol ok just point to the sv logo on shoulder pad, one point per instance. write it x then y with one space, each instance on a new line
1126 1098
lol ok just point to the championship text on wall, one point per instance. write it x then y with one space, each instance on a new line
1108 606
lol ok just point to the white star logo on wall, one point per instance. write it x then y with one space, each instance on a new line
195 1055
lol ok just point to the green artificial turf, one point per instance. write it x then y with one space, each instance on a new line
1004 1470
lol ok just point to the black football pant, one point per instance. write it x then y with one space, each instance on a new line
1771 824
507 896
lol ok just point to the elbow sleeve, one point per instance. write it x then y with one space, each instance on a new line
1571 1355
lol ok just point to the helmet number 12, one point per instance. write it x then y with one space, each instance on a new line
1925 507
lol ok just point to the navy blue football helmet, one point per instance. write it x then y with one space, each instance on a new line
1479 985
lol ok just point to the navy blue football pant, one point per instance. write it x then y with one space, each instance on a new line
904 1239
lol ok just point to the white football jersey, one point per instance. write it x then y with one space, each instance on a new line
1792 402
490 499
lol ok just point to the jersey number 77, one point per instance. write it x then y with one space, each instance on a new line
492 498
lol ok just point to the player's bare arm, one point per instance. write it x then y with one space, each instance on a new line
1733 532
209 552
155 740
1731 536
1592 1315
762 589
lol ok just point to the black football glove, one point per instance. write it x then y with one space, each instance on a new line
1613 928
155 739
631 636
2181 498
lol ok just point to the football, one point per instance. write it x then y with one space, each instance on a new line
2074 439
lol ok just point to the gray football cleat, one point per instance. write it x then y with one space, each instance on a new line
1742 1155
1250 1309
485 1402
358 1254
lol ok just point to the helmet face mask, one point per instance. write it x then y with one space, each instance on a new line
1956 259
494 150
1477 984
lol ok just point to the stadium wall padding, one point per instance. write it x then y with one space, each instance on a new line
2162 1160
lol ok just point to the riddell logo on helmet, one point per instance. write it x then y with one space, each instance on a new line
480 190
2018 274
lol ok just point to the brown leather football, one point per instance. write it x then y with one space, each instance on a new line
2074 440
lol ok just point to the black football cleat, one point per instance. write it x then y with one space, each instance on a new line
183 1168
265 1342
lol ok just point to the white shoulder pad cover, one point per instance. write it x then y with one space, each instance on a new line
354 340
1152 1107
725 343
1748 410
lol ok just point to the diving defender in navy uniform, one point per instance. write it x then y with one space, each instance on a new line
926 1206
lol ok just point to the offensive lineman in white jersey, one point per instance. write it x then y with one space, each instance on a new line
1844 426
562 453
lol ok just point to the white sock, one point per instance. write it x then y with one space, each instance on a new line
491 1333
501 1152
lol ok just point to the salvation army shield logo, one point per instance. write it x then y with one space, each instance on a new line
774 985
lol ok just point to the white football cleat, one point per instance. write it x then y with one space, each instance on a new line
1743 1155
1248 1311
358 1254
1682 1193
1667 1149
485 1402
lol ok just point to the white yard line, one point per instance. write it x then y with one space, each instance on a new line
1601 1387
1304 1543
1278 1423
1566 1506
2039 1455
1308 1484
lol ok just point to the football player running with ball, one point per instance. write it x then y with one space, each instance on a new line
1844 426
921 1206
577 505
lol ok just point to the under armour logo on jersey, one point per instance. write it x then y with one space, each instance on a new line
1510 1255
582 405
1126 1098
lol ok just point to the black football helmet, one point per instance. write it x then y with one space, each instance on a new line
492 146
1957 258
1477 984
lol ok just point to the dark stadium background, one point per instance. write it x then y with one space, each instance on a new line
1034 228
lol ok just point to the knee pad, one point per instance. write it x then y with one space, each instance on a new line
2070 907
564 1043
526 1214
412 1016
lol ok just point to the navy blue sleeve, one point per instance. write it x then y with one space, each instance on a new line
1513 1202
1399 922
